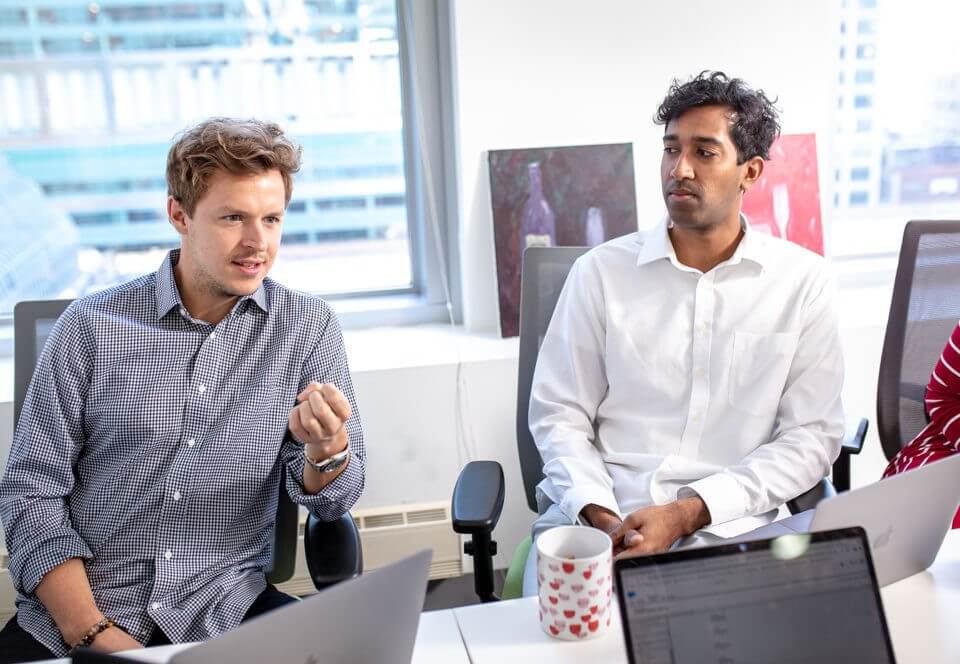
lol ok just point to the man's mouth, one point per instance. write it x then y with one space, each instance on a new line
250 267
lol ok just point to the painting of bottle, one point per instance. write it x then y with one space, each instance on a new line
537 222
593 231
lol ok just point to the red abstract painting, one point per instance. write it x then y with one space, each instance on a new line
785 202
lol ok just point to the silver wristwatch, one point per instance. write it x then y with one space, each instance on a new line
329 465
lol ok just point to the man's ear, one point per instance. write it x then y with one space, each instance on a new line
752 172
177 216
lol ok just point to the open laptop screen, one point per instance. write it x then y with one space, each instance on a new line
795 598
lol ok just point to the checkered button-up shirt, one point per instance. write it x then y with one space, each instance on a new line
151 445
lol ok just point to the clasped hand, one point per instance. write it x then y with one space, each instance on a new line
318 419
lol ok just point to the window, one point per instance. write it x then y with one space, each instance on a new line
86 137
899 145
859 197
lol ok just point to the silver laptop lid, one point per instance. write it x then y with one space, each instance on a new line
796 598
906 516
372 619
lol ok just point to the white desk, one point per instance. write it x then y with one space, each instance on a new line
438 642
921 614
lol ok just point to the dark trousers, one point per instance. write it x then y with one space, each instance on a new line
16 644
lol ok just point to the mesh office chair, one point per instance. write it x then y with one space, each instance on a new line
479 492
924 310
333 550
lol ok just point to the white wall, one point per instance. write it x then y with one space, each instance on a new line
567 72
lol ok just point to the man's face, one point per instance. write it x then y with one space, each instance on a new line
230 242
702 183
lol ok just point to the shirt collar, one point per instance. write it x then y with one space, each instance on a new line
657 246
168 295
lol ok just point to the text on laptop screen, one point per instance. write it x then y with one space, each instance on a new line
796 601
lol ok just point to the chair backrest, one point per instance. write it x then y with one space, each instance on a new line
544 272
32 323
924 310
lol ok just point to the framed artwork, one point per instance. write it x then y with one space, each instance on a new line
785 202
559 196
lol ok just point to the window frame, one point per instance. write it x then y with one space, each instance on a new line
426 85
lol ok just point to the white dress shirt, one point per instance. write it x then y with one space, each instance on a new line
655 380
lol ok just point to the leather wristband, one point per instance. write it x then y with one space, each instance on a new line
101 626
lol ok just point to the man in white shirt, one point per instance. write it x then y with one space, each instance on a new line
689 382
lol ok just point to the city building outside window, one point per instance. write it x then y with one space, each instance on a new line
91 94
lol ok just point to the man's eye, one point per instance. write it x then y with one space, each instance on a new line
706 153
233 217
670 150
273 220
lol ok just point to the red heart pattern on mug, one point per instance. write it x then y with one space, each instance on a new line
575 595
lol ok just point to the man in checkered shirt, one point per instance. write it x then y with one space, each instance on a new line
144 473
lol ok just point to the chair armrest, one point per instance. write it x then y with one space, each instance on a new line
478 498
809 499
475 510
333 550
854 436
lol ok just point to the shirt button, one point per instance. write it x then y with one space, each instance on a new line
696 417
213 335
176 495
155 606
699 372
183 312
201 388
168 554
191 442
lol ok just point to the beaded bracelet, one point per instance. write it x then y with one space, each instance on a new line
92 633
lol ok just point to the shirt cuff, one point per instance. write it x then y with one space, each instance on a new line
576 498
29 565
723 495
333 500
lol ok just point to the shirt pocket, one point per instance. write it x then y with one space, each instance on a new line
759 368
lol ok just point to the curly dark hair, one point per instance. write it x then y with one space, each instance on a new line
755 124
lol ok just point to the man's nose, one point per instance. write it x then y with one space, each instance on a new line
681 169
255 235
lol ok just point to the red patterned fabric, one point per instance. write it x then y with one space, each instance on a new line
940 438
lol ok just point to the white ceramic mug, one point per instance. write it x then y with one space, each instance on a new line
574 578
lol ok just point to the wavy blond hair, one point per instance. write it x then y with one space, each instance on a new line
238 146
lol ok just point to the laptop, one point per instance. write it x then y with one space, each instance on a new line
795 598
372 619
906 517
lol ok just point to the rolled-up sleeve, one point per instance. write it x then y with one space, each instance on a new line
47 441
328 364
808 429
568 385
